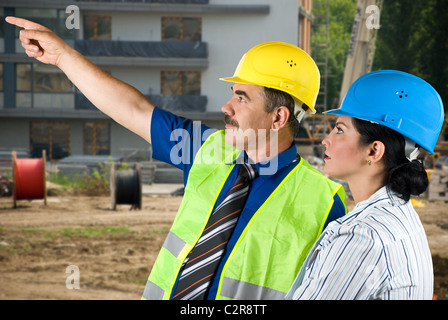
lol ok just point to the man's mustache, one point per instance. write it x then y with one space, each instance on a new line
229 120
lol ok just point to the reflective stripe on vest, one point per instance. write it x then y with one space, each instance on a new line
152 292
174 244
271 249
240 290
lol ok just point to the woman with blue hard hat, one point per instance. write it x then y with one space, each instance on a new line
379 250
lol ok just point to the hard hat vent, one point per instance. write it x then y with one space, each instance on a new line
401 94
291 63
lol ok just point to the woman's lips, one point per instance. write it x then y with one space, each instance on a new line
326 157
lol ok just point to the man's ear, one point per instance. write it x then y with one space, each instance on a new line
280 117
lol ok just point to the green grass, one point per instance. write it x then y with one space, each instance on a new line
88 232
70 232
29 237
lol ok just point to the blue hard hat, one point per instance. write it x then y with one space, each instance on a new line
398 100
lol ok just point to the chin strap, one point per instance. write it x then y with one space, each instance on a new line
414 154
299 112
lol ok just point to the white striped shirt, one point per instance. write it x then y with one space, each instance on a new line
377 251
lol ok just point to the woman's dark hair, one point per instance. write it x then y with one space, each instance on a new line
404 177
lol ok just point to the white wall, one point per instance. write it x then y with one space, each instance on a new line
136 26
9 137
143 79
121 137
228 36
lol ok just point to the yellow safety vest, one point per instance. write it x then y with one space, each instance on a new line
268 255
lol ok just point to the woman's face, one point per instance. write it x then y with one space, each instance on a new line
344 157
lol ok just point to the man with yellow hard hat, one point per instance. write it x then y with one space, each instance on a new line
252 207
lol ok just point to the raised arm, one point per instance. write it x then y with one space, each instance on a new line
122 102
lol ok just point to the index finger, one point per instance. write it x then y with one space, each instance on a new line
23 23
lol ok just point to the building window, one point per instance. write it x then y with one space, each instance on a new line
181 83
54 137
42 86
181 29
97 138
97 28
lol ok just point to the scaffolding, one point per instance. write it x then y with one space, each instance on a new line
359 61
315 127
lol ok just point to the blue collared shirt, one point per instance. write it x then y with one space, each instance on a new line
176 141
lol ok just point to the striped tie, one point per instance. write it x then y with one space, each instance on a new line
202 262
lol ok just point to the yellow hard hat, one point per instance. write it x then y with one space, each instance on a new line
280 66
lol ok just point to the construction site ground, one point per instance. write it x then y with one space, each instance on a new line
43 247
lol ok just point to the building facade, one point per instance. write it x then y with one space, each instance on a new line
173 51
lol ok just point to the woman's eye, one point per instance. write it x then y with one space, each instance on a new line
339 130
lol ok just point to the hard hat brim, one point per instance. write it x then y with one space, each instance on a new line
338 112
235 79
310 109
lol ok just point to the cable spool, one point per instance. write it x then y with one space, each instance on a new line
29 178
126 187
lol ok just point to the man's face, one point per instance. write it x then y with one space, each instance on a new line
245 116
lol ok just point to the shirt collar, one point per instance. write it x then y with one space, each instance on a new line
379 198
270 167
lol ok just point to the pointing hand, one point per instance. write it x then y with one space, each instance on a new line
40 42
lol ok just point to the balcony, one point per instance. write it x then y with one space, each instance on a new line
77 106
154 6
150 1
179 103
171 103
153 49
145 53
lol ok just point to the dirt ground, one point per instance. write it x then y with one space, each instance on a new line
115 250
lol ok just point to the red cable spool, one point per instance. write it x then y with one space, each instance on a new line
29 178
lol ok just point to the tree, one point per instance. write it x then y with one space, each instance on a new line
432 46
413 39
395 44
